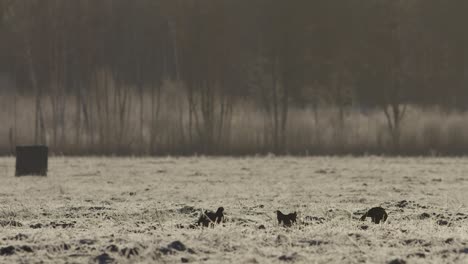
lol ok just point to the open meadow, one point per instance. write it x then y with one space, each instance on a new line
138 210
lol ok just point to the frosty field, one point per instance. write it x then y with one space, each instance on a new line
128 210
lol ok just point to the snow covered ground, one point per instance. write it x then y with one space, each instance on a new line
138 210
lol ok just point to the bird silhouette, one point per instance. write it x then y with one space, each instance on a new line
210 218
286 219
377 214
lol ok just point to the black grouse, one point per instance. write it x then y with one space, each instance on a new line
286 219
210 218
377 214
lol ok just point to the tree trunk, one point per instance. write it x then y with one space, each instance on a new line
78 114
275 106
107 111
141 94
394 117
39 137
284 118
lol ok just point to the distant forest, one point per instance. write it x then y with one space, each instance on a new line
234 77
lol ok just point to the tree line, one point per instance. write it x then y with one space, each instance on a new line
100 61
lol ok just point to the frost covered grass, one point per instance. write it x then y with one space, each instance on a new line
130 210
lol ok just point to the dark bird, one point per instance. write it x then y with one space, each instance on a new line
377 214
210 218
286 219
